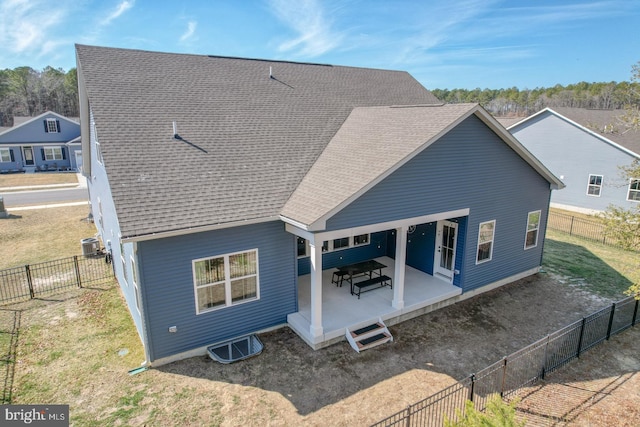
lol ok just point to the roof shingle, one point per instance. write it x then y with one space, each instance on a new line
248 139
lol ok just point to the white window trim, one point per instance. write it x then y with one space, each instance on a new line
537 230
123 261
306 247
134 279
629 190
330 247
227 281
8 154
493 238
52 126
53 152
595 185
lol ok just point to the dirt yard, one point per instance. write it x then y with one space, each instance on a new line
290 384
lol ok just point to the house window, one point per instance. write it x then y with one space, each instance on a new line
51 126
134 276
226 280
5 155
595 185
52 153
340 243
362 239
345 242
533 225
122 260
634 190
98 153
485 241
302 247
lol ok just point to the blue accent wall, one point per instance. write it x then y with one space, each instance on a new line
469 167
168 289
376 248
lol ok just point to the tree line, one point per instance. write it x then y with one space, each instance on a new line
28 92
524 102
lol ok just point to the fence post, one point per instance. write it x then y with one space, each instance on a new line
571 226
473 383
584 320
613 312
407 418
29 281
635 313
544 360
504 376
77 268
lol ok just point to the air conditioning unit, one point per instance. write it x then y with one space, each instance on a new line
90 246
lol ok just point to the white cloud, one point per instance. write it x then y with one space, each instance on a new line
308 19
25 25
191 29
120 9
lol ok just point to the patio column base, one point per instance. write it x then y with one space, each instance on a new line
398 305
315 331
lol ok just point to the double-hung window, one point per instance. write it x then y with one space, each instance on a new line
634 190
53 153
486 234
594 188
533 225
5 155
225 280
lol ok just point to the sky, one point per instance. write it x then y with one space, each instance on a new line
444 44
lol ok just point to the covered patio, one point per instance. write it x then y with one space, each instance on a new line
341 310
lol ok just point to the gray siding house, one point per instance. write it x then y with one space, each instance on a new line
585 149
229 192
40 143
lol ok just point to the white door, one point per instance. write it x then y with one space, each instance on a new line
444 262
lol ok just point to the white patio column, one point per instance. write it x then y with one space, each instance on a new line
398 276
316 289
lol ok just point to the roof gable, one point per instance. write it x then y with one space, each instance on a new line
373 143
31 129
604 125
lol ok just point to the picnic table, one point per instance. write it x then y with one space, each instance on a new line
370 269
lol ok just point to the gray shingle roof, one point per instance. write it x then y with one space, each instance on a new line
606 123
373 141
248 139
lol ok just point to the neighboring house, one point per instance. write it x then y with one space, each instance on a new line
39 144
227 191
585 149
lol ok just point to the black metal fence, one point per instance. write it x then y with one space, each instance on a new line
521 369
45 278
580 227
9 327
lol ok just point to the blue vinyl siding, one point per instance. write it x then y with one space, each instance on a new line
469 167
32 134
100 197
572 154
168 290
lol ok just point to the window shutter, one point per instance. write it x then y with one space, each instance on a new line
64 152
13 159
46 128
58 125
42 152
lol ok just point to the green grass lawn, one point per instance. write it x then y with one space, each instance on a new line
43 178
603 270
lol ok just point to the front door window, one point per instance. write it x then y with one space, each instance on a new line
28 156
445 257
